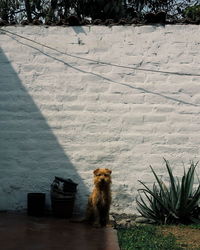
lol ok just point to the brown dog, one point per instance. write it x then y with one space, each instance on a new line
100 199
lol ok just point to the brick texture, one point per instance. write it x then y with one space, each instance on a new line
64 113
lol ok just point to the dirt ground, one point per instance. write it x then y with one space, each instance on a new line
189 238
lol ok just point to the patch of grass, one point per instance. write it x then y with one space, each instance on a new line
145 237
188 237
195 226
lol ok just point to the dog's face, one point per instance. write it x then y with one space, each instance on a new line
102 176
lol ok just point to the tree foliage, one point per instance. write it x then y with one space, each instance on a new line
15 11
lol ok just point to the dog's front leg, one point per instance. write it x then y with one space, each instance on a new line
96 217
107 218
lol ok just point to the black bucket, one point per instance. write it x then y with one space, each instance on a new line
63 193
67 184
36 204
63 207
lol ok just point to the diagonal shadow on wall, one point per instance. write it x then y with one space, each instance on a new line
30 154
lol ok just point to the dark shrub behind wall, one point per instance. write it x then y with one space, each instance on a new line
15 11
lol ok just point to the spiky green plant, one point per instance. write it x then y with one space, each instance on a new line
177 203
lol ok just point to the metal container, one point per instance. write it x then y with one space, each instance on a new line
63 192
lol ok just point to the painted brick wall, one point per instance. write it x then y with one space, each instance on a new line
63 112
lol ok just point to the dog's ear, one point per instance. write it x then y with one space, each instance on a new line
96 171
109 171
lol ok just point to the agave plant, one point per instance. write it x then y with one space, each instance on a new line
177 203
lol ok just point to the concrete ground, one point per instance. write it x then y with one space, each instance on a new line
22 232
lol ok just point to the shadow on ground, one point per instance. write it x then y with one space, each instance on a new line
23 232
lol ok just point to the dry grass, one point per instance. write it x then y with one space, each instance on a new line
188 237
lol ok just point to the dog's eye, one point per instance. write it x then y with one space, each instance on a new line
106 175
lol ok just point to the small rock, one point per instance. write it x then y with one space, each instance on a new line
86 22
37 22
97 22
25 22
109 22
123 21
122 224
141 220
111 220
48 22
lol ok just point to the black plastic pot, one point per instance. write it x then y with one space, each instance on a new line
68 184
63 207
36 204
63 192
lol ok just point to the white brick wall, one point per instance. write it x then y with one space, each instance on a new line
66 116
